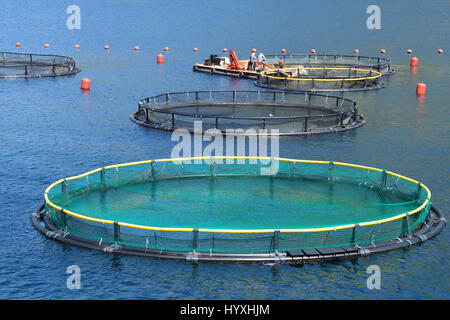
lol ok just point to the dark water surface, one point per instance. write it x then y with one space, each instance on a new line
49 129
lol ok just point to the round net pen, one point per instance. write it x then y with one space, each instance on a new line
320 79
239 209
291 113
29 65
380 64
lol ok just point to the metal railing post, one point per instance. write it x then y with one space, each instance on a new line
64 187
276 240
330 171
194 239
353 242
153 170
405 225
116 232
63 218
383 181
102 176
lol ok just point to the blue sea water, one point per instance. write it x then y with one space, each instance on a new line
50 129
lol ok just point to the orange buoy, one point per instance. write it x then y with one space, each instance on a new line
409 51
17 44
383 51
166 49
421 89
106 47
440 51
160 59
85 84
46 46
313 51
253 50
195 49
136 48
283 50
224 50
356 51
414 61
77 46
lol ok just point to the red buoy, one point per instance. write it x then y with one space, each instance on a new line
383 51
356 51
46 46
136 48
17 44
160 59
106 47
414 61
85 84
77 46
421 89
313 51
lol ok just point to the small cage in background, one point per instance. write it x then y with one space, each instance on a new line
320 79
29 65
294 60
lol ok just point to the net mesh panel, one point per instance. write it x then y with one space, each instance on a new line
332 174
29 65
290 113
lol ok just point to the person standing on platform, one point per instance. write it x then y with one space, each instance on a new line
252 60
261 60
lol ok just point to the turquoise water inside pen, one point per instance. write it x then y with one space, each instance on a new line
240 203
50 129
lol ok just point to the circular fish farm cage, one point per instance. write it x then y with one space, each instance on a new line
291 113
320 79
380 64
239 209
29 65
